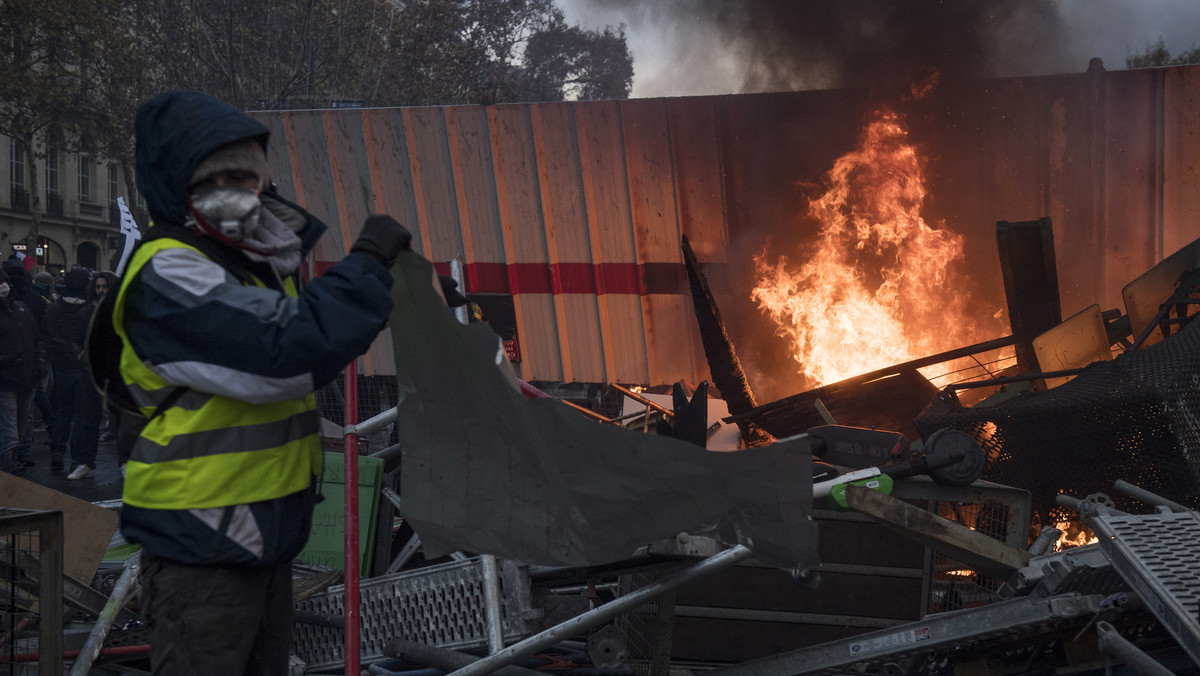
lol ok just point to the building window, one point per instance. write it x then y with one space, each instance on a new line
52 171
112 183
16 162
85 179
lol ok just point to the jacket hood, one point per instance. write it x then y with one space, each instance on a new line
175 131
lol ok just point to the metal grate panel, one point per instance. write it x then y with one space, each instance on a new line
1159 556
441 605
648 627
998 511
954 586
1004 622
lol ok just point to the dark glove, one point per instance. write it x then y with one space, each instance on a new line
450 291
382 238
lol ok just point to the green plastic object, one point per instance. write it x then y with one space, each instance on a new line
118 553
837 494
326 541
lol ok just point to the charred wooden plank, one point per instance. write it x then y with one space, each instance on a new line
1030 282
970 548
727 373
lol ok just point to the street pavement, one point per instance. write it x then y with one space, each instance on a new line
106 484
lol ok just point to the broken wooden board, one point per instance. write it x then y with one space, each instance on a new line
87 529
1075 343
974 550
1145 295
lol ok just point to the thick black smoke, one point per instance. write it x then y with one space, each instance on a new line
805 44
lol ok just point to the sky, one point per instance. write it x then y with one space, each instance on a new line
702 47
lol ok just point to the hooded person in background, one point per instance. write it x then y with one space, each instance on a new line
24 290
43 283
76 401
222 350
22 362
102 283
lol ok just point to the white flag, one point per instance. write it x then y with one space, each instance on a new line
131 235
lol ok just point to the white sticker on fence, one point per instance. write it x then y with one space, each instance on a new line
890 641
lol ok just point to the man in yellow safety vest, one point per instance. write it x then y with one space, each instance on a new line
221 351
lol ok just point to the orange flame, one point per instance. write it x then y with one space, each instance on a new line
1074 534
879 287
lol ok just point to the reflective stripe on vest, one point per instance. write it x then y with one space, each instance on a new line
207 450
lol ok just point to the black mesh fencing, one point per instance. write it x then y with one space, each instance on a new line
1135 418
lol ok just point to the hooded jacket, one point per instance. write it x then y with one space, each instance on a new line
24 291
65 330
20 346
200 317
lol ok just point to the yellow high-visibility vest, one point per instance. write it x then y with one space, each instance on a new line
206 450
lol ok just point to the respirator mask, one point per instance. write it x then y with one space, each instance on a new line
232 213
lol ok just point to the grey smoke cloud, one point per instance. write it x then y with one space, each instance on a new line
686 47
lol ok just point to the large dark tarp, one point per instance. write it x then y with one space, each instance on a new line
487 470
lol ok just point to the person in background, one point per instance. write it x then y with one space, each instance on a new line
102 283
43 283
76 401
222 350
24 291
22 362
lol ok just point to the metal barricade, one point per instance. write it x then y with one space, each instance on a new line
31 574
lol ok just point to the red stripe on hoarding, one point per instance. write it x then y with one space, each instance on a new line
618 278
575 278
487 278
530 278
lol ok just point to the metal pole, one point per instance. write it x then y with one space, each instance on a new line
410 548
120 594
456 272
50 633
604 613
1153 499
440 658
370 425
1114 645
1045 540
491 602
350 450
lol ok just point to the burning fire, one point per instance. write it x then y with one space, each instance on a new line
1074 534
879 287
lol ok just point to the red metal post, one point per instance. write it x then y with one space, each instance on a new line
530 391
351 546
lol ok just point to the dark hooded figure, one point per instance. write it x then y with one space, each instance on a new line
222 349
102 283
76 402
22 363
24 290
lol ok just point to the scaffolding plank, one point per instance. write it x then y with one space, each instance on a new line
1007 621
976 550
1157 554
